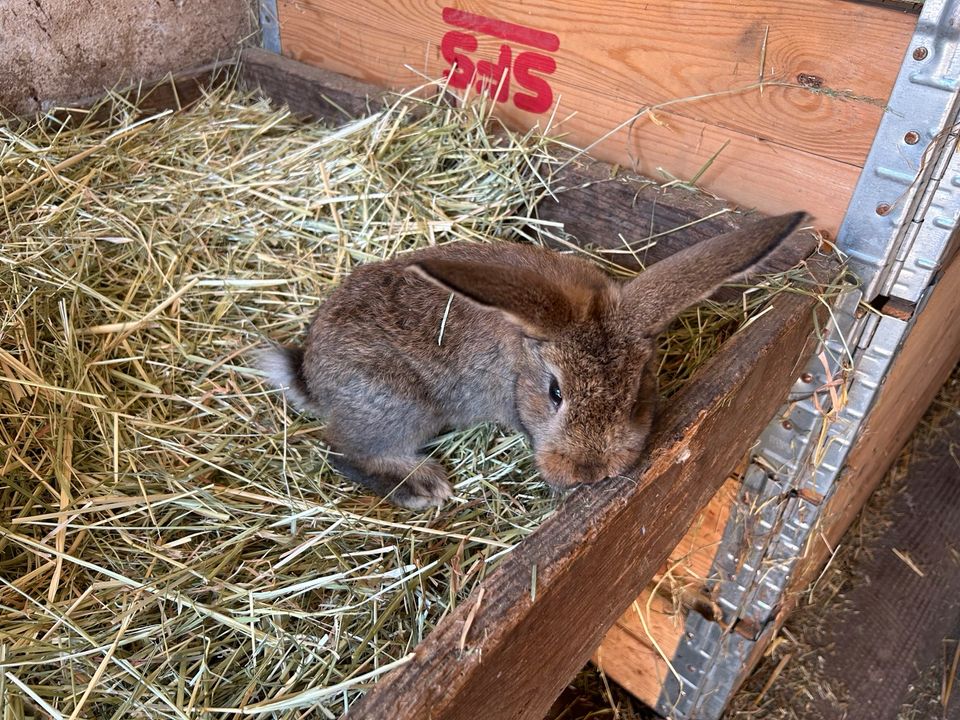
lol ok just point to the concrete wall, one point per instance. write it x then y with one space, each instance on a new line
57 50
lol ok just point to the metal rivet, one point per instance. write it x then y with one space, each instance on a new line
883 208
787 425
807 377
920 53
912 137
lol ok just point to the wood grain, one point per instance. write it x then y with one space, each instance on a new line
627 654
634 209
594 556
788 147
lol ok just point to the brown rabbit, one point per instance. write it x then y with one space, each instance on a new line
450 336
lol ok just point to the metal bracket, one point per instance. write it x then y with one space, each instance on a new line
269 26
905 205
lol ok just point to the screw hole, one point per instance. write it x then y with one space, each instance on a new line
912 137
883 208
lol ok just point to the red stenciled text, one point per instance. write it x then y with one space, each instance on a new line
517 73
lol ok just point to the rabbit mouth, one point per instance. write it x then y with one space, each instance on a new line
564 471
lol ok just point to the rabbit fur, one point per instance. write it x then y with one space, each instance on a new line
546 343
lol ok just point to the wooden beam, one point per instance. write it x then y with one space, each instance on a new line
798 145
507 652
306 89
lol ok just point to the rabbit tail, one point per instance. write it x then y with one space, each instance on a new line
283 365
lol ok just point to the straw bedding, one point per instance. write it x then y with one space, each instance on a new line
173 543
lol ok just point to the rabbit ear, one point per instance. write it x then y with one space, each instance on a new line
539 307
656 296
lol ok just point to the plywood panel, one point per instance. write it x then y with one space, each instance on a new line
788 146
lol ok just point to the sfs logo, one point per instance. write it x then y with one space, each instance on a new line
518 77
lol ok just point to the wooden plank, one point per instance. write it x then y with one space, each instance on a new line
644 57
306 89
628 655
508 652
635 211
613 59
874 646
691 560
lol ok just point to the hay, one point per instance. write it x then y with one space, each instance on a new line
173 543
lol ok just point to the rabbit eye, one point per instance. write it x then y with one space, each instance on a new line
555 394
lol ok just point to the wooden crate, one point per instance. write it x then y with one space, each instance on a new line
600 563
674 90
509 650
589 561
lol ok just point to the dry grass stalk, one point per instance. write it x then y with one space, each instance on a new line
173 543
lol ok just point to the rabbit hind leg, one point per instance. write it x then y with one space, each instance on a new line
378 426
415 482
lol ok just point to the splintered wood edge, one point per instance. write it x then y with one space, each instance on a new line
597 552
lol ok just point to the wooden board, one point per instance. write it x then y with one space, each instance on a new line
634 210
876 645
635 650
799 143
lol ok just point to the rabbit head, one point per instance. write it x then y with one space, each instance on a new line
586 389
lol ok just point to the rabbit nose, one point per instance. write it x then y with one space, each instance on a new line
590 472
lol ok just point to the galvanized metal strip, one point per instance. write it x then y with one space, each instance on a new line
269 25
905 205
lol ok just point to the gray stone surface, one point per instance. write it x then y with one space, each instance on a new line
60 50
